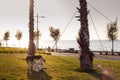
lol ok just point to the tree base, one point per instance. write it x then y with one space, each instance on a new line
86 61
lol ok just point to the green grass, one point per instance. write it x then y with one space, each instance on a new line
14 67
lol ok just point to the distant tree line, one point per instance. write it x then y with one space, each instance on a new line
6 37
54 33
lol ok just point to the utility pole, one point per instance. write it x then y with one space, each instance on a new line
37 42
37 18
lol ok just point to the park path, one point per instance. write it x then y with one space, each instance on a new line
98 56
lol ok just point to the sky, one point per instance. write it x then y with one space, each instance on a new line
14 15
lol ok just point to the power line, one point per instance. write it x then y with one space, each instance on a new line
99 12
96 31
98 35
69 22
67 25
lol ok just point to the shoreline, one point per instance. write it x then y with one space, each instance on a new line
72 50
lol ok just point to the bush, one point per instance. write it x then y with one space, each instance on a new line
12 50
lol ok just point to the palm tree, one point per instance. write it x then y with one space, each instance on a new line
55 34
37 35
0 43
31 48
86 57
6 37
112 30
18 35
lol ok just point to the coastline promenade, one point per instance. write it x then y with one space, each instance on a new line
98 56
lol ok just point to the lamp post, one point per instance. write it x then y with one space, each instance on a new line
37 42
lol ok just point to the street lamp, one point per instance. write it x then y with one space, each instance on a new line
37 42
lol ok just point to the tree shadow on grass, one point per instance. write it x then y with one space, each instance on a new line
41 75
97 74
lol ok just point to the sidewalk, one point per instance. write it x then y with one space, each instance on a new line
98 56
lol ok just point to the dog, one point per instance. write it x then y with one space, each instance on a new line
31 58
39 66
36 66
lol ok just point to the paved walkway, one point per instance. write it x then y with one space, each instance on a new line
107 57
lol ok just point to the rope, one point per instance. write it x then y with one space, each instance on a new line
112 71
67 25
100 12
69 22
96 31
91 19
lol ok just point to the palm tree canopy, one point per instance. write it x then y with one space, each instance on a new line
6 35
112 30
18 35
54 33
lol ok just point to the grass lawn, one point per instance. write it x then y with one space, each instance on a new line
14 67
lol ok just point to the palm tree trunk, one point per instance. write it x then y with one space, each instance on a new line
86 57
31 49
19 44
6 43
112 51
56 46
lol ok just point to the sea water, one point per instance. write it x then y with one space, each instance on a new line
96 45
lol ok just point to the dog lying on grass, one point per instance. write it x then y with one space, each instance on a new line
36 66
39 65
